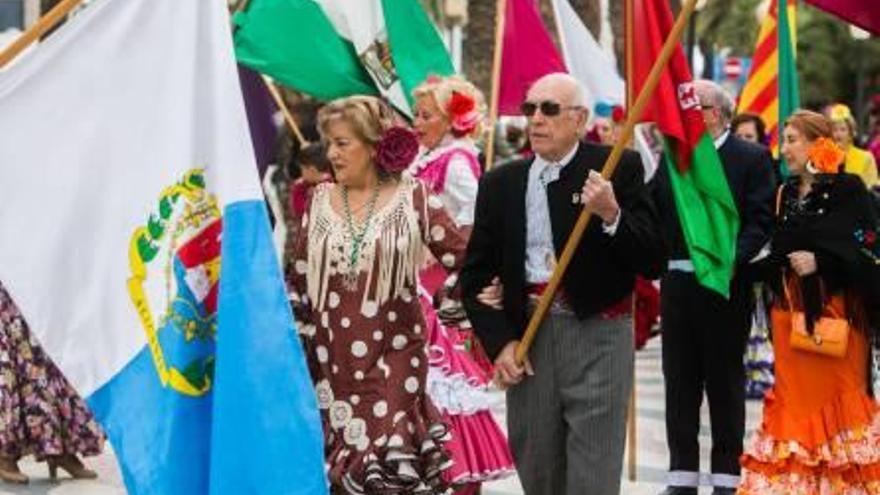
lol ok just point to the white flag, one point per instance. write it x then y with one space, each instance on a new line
586 60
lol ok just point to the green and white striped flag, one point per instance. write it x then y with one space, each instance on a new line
335 48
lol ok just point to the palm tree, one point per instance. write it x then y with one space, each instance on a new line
479 42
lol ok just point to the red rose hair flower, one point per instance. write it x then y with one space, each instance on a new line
463 114
397 149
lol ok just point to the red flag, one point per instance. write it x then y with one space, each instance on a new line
706 210
674 107
528 54
862 13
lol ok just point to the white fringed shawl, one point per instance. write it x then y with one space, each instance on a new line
391 253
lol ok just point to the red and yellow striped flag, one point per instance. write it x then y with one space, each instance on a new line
760 95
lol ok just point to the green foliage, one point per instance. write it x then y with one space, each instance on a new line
829 59
729 23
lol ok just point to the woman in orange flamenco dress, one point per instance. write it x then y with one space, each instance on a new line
821 428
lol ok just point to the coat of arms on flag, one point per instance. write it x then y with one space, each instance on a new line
178 253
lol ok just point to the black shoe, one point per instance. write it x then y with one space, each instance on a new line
679 490
720 490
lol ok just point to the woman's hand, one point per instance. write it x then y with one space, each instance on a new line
492 295
803 262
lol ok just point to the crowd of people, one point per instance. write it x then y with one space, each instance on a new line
413 271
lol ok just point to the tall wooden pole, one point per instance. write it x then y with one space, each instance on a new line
631 423
611 163
41 27
282 105
500 16
241 5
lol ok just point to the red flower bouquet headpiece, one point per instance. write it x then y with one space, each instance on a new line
463 113
397 149
825 156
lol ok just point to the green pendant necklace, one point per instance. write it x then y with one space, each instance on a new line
357 237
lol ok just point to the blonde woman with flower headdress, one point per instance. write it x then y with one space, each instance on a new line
356 300
448 116
858 161
821 429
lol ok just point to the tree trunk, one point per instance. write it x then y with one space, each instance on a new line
618 29
479 42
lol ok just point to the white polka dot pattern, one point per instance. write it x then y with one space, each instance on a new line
333 300
448 260
438 233
358 349
321 353
411 385
301 267
399 342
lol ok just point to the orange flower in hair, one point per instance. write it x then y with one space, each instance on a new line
826 156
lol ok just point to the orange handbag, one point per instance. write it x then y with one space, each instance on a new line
830 333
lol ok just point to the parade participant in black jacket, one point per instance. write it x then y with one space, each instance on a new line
704 334
567 404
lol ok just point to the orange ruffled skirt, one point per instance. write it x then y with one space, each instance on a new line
821 431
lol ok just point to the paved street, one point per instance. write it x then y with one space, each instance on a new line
652 456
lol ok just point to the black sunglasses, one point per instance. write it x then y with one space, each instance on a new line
548 108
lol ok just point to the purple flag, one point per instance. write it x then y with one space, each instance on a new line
260 108
862 13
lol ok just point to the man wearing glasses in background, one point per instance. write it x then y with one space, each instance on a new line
704 334
567 403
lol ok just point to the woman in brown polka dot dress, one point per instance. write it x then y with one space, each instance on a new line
356 281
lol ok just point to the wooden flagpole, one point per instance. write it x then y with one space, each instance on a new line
669 46
41 27
631 424
241 5
288 117
500 16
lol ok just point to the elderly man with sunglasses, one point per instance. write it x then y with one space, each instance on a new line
567 402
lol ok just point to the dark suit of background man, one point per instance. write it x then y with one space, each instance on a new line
704 335
567 406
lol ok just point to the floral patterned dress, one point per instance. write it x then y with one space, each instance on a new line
364 332
40 413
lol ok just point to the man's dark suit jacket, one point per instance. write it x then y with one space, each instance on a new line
603 269
749 171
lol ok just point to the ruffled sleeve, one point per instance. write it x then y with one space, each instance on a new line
440 233
461 190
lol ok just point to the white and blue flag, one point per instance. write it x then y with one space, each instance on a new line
136 243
